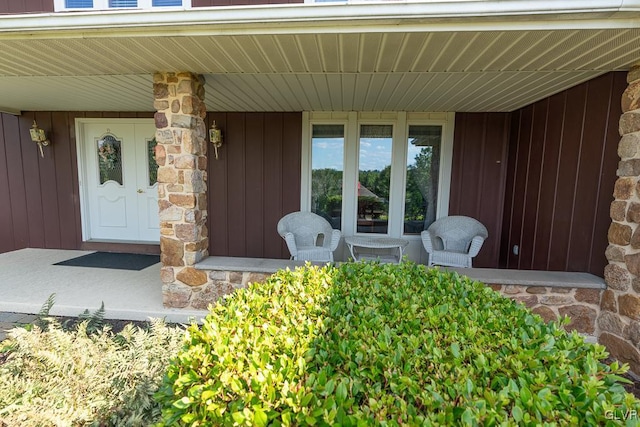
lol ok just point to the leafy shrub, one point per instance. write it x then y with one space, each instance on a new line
369 344
55 377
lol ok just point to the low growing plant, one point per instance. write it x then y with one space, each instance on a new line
57 377
370 344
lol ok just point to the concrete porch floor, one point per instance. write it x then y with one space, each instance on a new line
28 277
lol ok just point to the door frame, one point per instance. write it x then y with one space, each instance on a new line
80 130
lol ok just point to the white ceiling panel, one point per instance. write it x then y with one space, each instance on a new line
351 71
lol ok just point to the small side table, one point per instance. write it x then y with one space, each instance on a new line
355 242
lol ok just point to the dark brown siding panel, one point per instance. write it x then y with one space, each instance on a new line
48 187
505 238
25 6
255 185
549 182
255 182
478 175
66 179
41 202
608 175
588 176
565 149
273 208
217 192
6 230
18 195
236 206
292 146
32 162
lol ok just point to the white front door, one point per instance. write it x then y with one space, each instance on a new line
121 195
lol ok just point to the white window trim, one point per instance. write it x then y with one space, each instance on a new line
401 122
59 6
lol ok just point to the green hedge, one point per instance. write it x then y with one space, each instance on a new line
369 344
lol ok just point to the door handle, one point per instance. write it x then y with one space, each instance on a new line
140 190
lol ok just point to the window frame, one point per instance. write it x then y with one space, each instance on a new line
60 6
401 122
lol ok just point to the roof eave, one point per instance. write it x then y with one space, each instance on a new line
361 16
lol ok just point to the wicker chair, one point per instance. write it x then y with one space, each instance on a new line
309 237
454 240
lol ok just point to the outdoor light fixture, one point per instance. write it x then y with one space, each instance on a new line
215 136
39 137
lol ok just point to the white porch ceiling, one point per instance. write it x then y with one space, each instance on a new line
410 69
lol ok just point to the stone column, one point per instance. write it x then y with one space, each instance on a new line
619 319
181 154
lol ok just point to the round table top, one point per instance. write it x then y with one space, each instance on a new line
375 242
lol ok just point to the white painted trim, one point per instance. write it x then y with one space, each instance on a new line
80 123
446 162
493 15
398 176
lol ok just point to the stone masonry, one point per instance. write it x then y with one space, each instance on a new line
181 154
580 305
619 319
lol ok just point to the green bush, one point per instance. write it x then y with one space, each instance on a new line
369 344
55 377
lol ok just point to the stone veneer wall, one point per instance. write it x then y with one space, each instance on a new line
181 154
620 306
582 306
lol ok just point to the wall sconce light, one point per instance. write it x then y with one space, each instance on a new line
215 136
39 137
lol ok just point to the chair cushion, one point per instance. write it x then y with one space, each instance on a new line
314 253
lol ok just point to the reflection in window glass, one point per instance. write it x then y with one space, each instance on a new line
374 178
423 165
327 154
110 159
123 3
78 4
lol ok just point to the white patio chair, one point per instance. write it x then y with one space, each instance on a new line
454 240
309 237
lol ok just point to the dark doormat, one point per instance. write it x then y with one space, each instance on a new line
118 261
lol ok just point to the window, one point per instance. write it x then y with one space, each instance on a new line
384 174
327 154
374 178
421 185
78 4
61 5
123 3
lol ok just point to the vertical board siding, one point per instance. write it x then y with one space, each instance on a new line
254 183
562 163
25 6
40 198
478 176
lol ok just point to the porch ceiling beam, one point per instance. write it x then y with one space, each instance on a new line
9 110
353 17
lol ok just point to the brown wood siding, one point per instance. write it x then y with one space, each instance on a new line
478 175
562 163
25 6
255 182
40 201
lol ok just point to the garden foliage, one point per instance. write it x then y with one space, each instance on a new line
369 344
56 377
